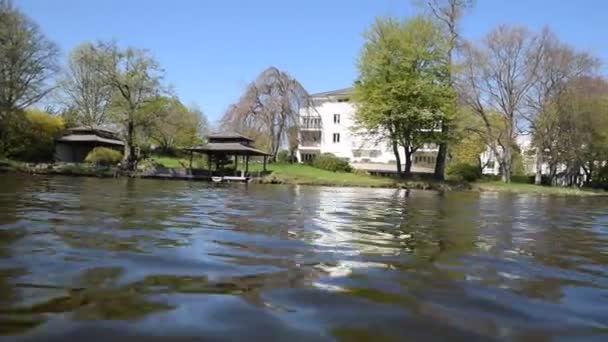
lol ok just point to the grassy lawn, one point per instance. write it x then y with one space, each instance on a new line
498 186
171 162
305 174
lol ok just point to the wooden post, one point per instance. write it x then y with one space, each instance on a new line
236 165
209 164
246 165
191 155
264 163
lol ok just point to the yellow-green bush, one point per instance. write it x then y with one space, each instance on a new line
29 136
103 156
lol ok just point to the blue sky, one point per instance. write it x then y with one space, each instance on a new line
212 49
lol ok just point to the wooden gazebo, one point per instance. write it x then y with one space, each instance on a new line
221 146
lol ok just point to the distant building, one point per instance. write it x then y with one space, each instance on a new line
77 142
490 164
329 127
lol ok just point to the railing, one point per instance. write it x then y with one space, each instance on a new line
311 123
310 144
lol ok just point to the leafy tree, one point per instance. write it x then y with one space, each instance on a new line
176 125
135 79
582 121
400 92
27 61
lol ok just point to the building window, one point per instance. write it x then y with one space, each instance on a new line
336 118
490 164
336 137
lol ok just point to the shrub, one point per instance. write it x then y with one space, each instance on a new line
29 136
283 156
329 162
465 172
104 156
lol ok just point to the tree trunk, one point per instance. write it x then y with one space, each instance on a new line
442 155
538 177
408 161
129 157
397 158
507 164
552 174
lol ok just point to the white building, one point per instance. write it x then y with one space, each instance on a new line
329 127
524 142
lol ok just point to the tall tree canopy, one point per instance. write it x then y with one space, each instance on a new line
27 61
176 125
83 89
559 64
495 78
448 14
135 78
269 107
401 94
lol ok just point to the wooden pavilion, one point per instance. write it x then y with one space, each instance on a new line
221 146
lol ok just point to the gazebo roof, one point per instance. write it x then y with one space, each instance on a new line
227 148
228 135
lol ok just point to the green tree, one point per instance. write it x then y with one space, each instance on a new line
582 120
400 93
135 79
27 62
176 125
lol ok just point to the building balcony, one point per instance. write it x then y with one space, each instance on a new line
311 123
310 145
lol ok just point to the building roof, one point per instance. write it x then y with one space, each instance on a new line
74 138
228 135
338 92
99 128
227 148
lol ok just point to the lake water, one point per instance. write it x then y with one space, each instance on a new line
132 259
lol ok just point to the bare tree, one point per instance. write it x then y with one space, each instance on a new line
270 105
135 78
27 61
496 78
83 89
559 64
448 13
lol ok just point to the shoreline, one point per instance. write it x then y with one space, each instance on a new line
284 178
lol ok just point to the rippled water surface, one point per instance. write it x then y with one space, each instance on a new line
88 259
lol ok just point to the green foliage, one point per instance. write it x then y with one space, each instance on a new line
283 156
103 156
329 162
30 136
175 125
464 172
517 166
402 91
